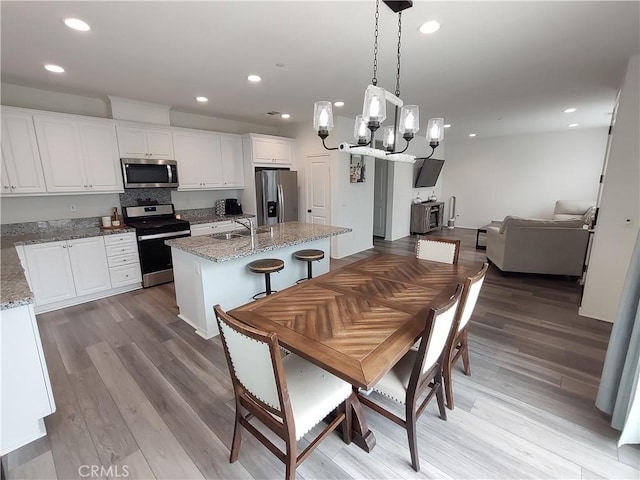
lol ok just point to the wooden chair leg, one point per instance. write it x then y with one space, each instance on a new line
440 394
465 354
237 436
411 418
447 375
291 460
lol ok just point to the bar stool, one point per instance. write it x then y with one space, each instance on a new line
310 255
267 266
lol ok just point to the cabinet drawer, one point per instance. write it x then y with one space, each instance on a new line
122 249
119 260
125 275
119 239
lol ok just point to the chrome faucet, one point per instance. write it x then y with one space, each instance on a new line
249 225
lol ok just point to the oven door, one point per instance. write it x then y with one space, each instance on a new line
155 257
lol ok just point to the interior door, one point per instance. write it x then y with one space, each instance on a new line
318 189
380 198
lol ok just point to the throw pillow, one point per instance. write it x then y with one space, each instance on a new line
589 216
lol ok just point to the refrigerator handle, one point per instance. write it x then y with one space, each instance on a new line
280 204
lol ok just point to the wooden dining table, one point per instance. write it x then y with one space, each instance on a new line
359 320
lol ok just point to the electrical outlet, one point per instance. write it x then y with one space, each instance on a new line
72 207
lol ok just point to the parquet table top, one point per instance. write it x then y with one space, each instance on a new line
357 321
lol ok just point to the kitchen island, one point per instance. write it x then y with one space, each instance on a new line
212 269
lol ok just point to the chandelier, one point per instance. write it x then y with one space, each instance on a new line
374 112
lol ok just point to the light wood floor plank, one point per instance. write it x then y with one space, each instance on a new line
39 468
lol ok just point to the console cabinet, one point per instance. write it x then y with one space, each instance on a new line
426 216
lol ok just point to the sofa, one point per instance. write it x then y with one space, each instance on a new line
556 247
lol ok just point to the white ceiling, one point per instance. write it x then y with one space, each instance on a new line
494 68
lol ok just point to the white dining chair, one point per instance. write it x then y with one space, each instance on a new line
459 341
443 250
288 395
418 371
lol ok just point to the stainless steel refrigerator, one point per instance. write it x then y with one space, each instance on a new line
276 196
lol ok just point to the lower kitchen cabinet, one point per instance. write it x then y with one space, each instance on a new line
25 390
76 271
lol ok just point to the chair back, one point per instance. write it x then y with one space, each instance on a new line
443 250
470 293
439 328
254 361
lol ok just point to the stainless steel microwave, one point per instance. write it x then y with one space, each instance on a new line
149 173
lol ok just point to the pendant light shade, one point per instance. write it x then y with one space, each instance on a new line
322 117
374 109
435 130
409 120
361 132
388 138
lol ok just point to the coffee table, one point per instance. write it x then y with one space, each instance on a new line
483 229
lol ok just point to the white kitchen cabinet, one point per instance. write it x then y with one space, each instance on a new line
122 256
144 142
199 160
67 269
25 389
50 272
232 166
78 156
269 150
21 167
89 265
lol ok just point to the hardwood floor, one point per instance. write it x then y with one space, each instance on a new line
140 395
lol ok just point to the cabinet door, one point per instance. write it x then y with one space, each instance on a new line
59 144
159 144
23 170
263 151
132 142
6 183
282 152
187 151
232 163
100 154
211 161
89 265
50 272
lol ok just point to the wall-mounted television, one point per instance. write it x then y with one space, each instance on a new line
428 172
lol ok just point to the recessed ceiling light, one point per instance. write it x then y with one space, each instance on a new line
472 134
339 104
254 78
448 125
572 125
77 24
202 99
569 110
54 68
285 115
429 27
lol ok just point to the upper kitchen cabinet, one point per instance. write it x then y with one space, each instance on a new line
268 150
199 160
78 156
232 167
21 167
145 142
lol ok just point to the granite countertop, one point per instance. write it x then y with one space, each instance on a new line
284 235
45 236
14 289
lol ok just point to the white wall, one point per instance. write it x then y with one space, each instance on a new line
614 238
521 175
27 209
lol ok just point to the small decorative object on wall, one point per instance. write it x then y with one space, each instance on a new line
356 172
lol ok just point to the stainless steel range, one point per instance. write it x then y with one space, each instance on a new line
154 224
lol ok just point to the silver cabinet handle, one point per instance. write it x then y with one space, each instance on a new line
64 246
6 187
13 186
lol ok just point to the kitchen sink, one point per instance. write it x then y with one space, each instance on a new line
239 233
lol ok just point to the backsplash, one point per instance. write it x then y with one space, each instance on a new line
145 196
